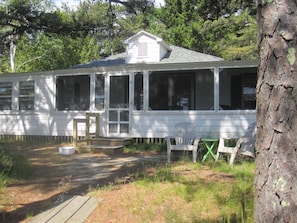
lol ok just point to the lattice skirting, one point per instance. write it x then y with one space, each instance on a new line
70 138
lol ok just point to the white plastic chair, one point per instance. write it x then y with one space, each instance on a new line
185 139
245 145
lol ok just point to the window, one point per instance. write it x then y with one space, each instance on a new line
73 93
26 95
119 92
171 91
138 91
5 95
142 50
238 88
99 92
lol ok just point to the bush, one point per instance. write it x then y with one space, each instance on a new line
13 166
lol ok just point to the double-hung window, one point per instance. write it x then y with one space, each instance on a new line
5 95
26 95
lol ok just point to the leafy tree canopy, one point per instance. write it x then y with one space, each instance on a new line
222 28
25 16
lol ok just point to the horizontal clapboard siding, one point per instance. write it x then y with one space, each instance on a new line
150 124
214 124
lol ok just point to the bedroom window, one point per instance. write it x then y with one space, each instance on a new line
73 93
5 95
26 95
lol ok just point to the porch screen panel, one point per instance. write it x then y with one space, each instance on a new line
204 91
119 92
138 91
171 90
99 92
26 95
238 89
73 93
5 95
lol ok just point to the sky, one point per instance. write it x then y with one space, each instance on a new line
74 3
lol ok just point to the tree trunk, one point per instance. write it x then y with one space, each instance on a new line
276 144
12 49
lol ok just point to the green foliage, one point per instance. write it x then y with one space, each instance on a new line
223 28
53 52
233 37
49 38
13 166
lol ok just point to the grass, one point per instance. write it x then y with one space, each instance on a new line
145 147
181 191
186 192
13 165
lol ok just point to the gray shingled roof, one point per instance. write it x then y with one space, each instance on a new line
177 55
182 55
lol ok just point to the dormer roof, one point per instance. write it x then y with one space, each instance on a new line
147 48
144 47
156 38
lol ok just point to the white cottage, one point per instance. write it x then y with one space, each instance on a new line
141 93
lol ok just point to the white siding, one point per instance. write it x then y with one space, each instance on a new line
143 124
209 124
45 120
163 52
45 94
154 51
37 123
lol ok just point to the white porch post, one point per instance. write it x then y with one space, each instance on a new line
146 75
216 72
106 103
92 92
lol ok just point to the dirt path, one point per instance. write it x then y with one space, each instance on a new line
57 177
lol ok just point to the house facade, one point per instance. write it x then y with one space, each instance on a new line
141 93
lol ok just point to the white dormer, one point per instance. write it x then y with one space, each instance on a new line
144 47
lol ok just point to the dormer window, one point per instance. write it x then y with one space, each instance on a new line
142 50
144 47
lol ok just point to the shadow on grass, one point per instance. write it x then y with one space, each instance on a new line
238 204
76 174
113 171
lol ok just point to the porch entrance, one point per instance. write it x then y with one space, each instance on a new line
119 109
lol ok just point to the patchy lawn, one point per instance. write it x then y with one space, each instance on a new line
130 187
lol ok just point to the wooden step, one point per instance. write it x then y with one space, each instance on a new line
76 209
110 141
106 149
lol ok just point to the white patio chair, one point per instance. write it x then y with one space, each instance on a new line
185 139
245 145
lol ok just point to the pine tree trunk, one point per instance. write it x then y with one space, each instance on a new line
276 145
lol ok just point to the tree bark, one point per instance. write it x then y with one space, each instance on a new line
276 144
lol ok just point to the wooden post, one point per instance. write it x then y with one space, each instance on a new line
75 131
97 120
97 125
88 127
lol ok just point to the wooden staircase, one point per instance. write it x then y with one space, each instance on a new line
92 142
